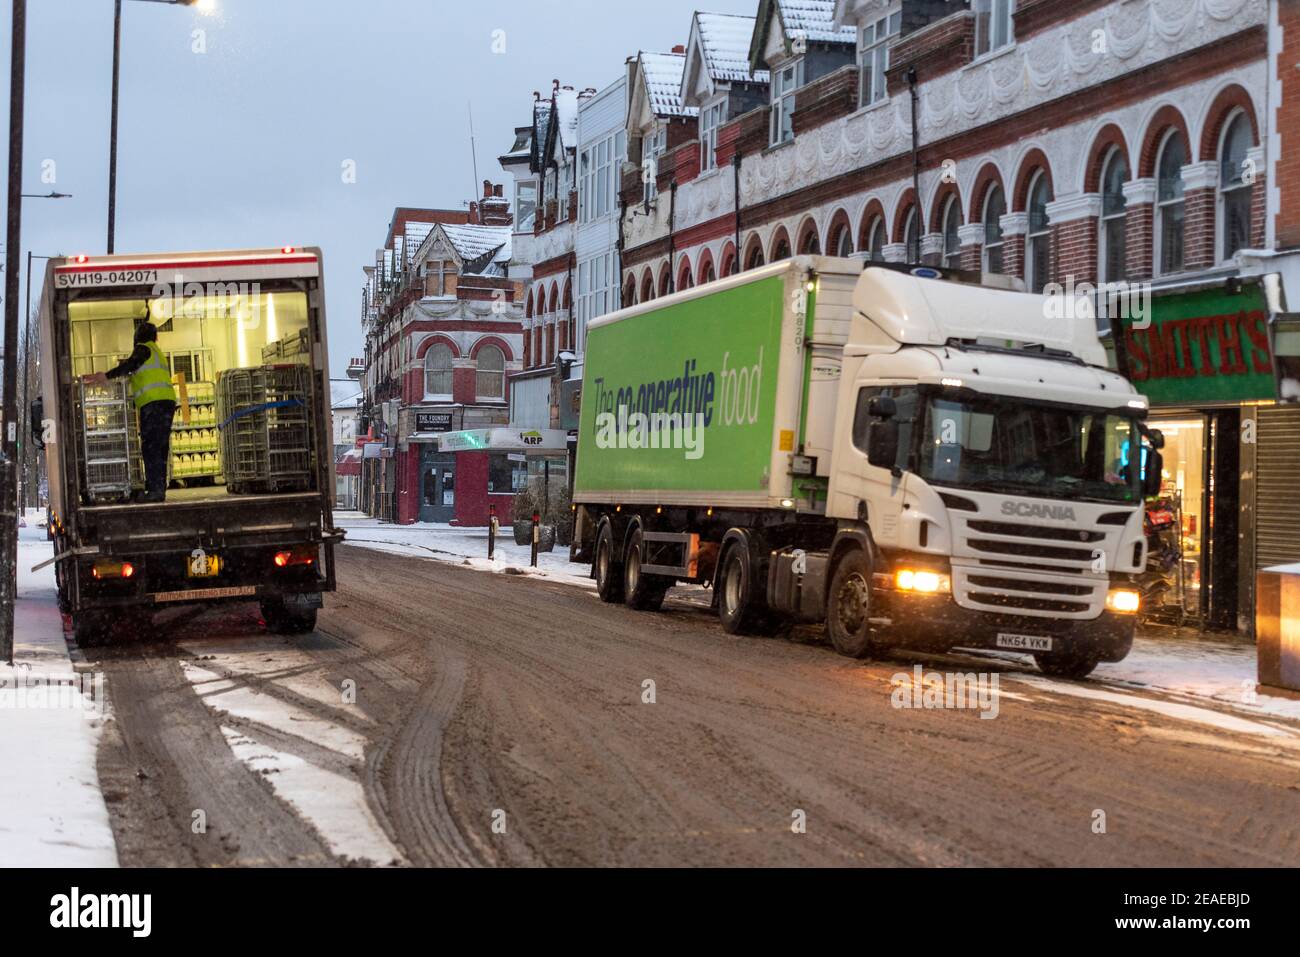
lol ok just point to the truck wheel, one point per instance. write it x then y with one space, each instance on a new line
609 575
61 580
90 628
640 591
281 621
1065 665
741 605
848 612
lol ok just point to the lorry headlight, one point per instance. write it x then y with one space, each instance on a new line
1126 601
922 582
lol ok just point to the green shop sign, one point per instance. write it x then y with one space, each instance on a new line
1200 347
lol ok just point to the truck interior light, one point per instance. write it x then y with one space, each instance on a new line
1126 601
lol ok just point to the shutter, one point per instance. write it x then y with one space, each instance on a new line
1277 471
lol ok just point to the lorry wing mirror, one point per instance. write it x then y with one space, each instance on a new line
882 444
1153 477
882 407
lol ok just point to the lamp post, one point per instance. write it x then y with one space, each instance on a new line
8 449
204 6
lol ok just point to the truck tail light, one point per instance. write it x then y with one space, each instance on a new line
302 555
103 570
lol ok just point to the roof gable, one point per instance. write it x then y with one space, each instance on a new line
813 20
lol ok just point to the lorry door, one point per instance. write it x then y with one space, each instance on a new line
879 488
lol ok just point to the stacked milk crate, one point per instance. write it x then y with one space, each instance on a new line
110 444
266 438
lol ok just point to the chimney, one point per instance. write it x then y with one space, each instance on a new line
498 191
487 189
473 214
679 49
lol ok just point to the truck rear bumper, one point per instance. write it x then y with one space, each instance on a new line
940 624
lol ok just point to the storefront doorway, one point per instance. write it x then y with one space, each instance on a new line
437 488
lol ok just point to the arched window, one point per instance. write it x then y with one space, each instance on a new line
911 237
995 207
755 257
491 373
1038 244
781 250
1170 208
876 240
1112 247
1234 190
951 236
811 246
437 370
709 274
842 241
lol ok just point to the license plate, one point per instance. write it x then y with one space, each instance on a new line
1024 642
207 566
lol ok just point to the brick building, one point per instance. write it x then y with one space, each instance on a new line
442 315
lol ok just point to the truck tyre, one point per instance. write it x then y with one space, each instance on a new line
640 591
848 607
281 621
608 572
1067 665
90 628
741 605
61 580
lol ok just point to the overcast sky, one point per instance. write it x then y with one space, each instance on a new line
243 145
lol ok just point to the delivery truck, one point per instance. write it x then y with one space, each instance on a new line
248 512
911 459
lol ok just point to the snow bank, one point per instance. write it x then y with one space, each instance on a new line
52 813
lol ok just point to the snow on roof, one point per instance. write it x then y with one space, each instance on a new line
815 20
724 40
344 394
416 232
475 242
663 83
566 109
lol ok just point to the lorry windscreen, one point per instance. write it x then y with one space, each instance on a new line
989 443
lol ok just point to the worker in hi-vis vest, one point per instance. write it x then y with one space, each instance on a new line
155 400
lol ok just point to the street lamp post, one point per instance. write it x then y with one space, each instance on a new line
8 450
204 5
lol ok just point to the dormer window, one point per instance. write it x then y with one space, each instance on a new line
993 25
655 145
873 56
785 81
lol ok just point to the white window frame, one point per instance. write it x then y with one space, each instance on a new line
521 186
1226 186
995 26
449 372
653 146
1031 256
1103 243
951 207
479 373
1163 209
783 99
712 116
873 55
1001 244
874 228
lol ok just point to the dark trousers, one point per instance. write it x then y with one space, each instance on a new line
156 445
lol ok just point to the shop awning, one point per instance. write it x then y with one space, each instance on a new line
504 439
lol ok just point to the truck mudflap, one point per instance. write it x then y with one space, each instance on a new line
939 624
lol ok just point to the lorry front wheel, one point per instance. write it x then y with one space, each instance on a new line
609 576
848 612
1073 666
641 591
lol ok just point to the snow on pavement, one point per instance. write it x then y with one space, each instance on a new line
1205 671
52 813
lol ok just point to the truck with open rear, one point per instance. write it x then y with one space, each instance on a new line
248 514
912 458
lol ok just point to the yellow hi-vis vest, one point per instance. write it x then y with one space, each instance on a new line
152 382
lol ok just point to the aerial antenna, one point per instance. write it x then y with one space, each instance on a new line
473 150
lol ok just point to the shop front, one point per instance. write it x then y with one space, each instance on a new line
1203 359
464 476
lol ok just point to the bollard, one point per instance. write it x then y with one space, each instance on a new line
537 531
492 532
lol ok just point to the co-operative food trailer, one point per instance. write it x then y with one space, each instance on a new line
914 460
248 513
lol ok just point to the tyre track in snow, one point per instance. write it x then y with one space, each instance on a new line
548 726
